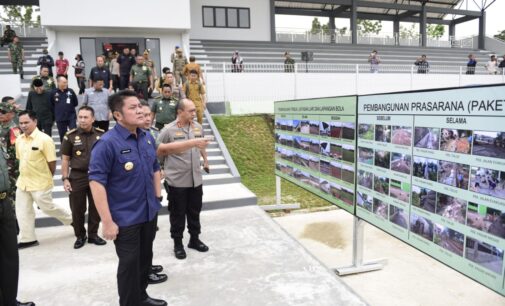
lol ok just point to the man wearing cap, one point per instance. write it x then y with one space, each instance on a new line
75 154
64 101
46 79
181 143
9 132
96 97
37 164
141 78
125 62
164 111
39 101
16 55
9 257
179 61
46 60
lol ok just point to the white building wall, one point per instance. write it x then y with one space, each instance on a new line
166 14
259 21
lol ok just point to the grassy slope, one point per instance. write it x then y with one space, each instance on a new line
250 141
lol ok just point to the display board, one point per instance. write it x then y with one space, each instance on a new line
431 171
315 147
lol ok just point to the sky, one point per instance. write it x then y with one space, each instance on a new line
494 21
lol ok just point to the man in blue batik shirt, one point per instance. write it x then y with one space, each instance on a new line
125 180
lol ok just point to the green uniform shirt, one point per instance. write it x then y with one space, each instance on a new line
4 171
48 82
140 73
16 52
165 110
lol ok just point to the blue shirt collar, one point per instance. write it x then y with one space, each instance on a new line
124 133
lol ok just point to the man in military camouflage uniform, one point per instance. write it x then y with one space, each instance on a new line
16 56
46 79
180 61
164 110
8 134
9 35
141 78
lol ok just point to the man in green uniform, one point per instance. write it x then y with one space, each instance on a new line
164 111
46 79
180 61
8 134
9 35
16 56
75 154
141 78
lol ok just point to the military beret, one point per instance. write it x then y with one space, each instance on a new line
7 107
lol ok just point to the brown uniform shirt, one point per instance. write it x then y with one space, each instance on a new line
77 144
183 169
192 66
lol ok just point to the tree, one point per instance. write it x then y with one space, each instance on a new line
316 26
368 26
435 31
408 32
19 14
500 35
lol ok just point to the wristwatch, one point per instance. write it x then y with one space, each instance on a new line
63 178
160 198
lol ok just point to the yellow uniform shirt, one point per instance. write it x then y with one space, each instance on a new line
34 152
195 92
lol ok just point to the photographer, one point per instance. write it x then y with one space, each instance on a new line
374 61
422 64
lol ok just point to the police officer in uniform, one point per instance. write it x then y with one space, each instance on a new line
141 78
181 143
9 256
75 154
164 110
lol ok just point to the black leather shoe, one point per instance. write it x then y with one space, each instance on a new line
24 245
153 302
155 278
97 241
80 242
179 252
156 269
198 245
18 303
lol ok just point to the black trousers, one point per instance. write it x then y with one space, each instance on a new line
104 125
134 247
81 82
141 90
185 203
45 127
124 80
155 225
64 126
9 256
115 82
78 201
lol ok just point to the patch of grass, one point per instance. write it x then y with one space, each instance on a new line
250 141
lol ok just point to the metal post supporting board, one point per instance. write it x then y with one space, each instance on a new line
278 205
358 266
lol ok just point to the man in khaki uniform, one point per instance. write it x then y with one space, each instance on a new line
164 111
181 143
141 78
75 154
195 91
193 66
37 164
179 61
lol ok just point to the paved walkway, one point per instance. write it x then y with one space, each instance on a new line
251 261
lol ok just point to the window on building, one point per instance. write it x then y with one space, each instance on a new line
226 17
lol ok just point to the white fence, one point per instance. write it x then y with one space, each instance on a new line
255 89
294 35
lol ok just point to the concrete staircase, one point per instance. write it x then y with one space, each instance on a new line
33 47
222 187
215 51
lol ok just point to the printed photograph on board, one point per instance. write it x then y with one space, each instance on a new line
398 216
487 181
314 127
484 254
324 167
336 151
297 126
459 141
425 168
451 208
381 184
365 179
348 153
382 159
427 138
336 129
380 208
399 190
401 162
324 186
489 144
348 174
364 200
314 146
383 133
348 130
324 129
486 219
401 135
366 131
424 198
453 174
421 226
449 239
305 127
365 155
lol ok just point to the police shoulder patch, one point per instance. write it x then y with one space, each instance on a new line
99 129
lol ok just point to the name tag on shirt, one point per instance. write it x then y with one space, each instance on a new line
126 151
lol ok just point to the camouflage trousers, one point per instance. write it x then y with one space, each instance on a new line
17 65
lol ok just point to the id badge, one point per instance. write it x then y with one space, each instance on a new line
68 100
